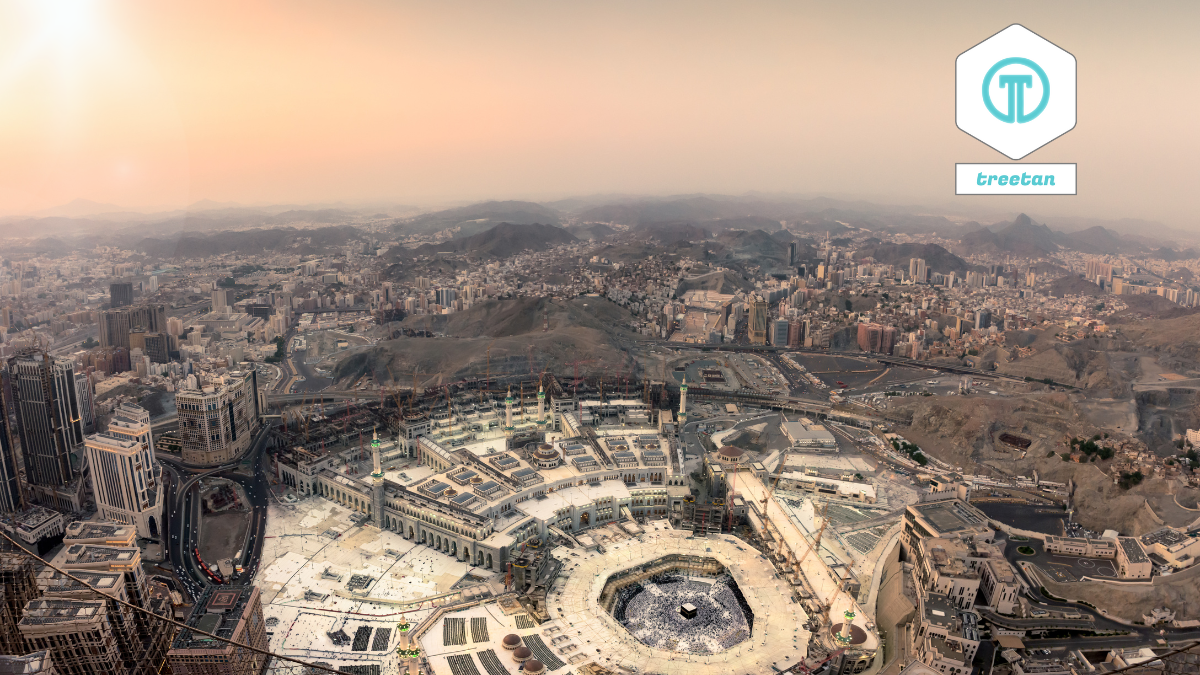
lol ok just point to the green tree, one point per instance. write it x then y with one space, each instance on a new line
849 305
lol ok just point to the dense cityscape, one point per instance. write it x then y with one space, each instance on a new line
342 458
544 338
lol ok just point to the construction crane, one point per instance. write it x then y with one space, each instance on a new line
820 531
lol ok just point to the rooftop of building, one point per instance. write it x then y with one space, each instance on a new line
29 664
949 516
58 610
217 611
32 517
88 554
1166 537
1133 550
94 532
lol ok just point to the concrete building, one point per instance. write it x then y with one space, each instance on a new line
126 478
234 613
18 581
221 298
999 584
757 326
116 325
1132 561
805 433
12 497
120 294
1176 549
37 526
35 663
945 637
1082 547
219 422
86 393
485 498
50 421
78 634
110 550
950 518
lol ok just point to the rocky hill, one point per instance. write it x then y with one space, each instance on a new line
501 241
477 218
585 333
936 258
303 241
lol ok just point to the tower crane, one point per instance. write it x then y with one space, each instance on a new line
820 531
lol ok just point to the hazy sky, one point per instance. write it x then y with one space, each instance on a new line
158 104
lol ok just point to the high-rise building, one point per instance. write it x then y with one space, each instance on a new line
126 478
230 611
795 333
78 634
870 337
757 324
218 423
120 294
116 325
891 335
11 496
175 326
153 284
222 298
18 581
446 296
779 332
983 319
108 552
85 392
50 422
157 347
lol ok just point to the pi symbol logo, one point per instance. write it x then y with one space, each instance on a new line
1002 92
1017 84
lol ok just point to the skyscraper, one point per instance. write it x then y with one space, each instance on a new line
11 497
222 298
757 326
156 347
50 422
218 423
120 294
115 325
126 478
87 408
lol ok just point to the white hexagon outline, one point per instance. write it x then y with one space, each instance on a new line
1057 46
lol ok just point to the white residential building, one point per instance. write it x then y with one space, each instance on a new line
126 479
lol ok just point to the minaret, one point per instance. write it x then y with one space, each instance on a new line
377 474
683 402
376 483
541 418
508 401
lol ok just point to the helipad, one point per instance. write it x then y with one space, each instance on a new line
778 639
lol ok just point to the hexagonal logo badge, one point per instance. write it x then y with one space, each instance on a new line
1015 91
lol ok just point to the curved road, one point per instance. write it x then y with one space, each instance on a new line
183 513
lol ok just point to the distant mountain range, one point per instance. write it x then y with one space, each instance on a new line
936 257
501 241
614 218
301 241
478 218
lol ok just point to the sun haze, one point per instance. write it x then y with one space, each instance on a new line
155 105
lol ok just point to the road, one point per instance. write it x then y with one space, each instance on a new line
184 513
